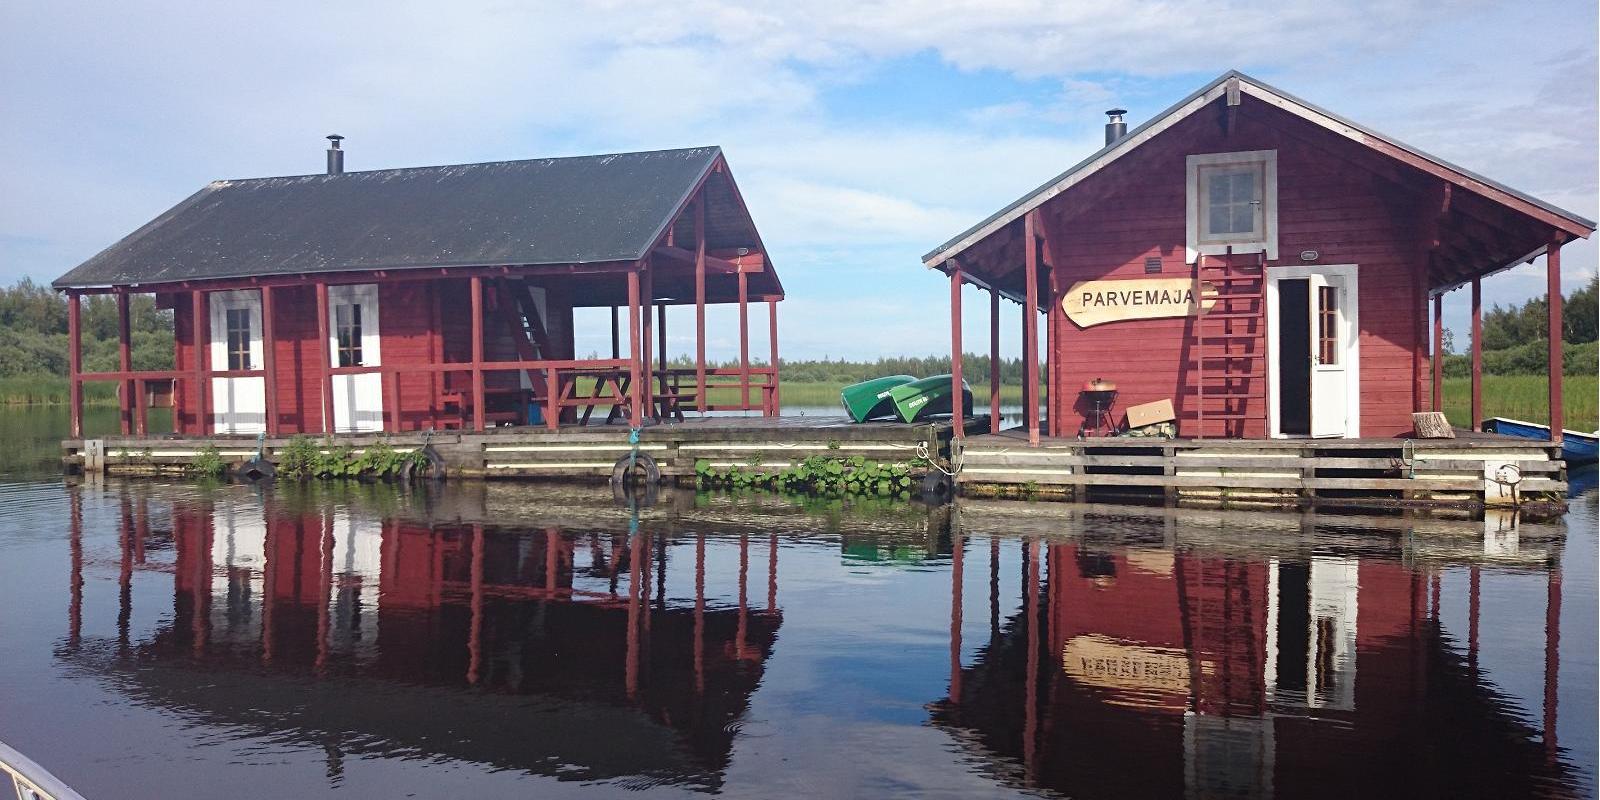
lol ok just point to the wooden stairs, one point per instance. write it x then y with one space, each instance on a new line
1228 349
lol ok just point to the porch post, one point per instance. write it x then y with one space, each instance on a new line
75 363
1477 353
744 340
994 360
956 406
1552 273
616 335
478 417
635 402
125 361
700 305
325 359
772 360
199 323
1438 352
648 287
269 361
1030 326
661 342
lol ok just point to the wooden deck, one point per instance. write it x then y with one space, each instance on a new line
573 451
1470 471
1269 471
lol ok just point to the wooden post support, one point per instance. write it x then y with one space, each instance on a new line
198 324
994 360
75 364
635 401
478 417
125 361
616 335
1552 271
744 340
552 401
269 362
646 304
772 358
700 305
1438 352
1477 353
661 343
956 406
1030 325
325 358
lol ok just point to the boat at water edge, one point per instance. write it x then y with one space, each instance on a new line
920 399
1577 447
868 399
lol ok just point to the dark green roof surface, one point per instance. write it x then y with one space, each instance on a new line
545 211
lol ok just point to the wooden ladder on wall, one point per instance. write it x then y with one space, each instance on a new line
1228 346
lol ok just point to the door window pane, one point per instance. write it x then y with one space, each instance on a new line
1327 325
238 325
347 325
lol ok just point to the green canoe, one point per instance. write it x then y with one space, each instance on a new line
870 399
919 399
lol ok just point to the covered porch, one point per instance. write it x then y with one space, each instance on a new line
445 298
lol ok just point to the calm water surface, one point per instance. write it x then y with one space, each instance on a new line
162 640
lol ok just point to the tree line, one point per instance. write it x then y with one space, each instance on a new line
33 341
33 332
1516 338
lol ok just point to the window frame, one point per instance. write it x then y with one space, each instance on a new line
1199 169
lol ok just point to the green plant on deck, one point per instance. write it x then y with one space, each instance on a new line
303 458
298 459
207 463
819 475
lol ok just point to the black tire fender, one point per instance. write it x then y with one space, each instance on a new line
643 468
938 487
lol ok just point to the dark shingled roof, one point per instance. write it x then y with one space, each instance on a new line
544 211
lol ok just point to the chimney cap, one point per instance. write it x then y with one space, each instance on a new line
1116 114
334 138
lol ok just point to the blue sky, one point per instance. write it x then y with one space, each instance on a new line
862 134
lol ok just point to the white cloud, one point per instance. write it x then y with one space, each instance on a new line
114 111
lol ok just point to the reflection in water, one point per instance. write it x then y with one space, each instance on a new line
1159 672
359 634
1123 652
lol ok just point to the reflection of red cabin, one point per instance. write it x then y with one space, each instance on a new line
1165 673
482 643
1317 242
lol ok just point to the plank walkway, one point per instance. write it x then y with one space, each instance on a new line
1281 471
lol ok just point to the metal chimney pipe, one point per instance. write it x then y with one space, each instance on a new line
335 156
1115 127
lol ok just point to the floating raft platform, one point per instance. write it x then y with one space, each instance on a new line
1473 468
571 452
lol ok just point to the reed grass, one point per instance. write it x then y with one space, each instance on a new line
51 390
1524 397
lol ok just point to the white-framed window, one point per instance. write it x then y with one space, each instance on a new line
1232 202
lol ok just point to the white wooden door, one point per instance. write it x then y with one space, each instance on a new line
238 404
1331 343
353 342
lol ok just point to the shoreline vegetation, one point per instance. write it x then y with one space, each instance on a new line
33 358
1516 396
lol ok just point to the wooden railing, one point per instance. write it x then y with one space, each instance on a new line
582 385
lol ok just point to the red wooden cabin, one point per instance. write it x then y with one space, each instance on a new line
439 297
1263 263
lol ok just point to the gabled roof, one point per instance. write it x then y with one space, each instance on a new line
1498 192
580 210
